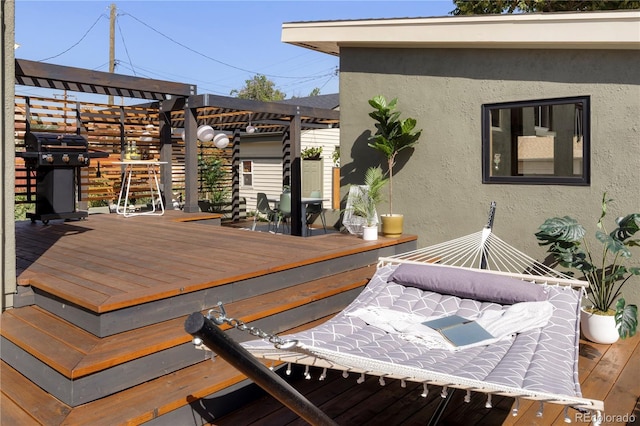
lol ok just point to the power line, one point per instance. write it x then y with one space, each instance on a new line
206 56
102 15
125 48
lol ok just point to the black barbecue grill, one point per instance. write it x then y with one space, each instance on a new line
55 160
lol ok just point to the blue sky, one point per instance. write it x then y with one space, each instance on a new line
217 45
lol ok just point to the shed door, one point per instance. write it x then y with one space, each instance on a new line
312 176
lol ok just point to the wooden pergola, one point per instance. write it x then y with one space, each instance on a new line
230 115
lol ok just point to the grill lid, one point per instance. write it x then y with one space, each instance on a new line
47 142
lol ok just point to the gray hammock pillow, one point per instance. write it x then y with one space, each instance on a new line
468 284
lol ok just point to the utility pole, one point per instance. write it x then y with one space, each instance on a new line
112 48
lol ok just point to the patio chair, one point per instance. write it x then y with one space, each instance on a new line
263 207
284 210
313 211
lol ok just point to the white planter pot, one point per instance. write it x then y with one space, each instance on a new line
598 328
370 233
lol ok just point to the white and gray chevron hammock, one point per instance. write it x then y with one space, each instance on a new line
469 277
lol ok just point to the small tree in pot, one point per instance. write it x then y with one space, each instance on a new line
392 135
606 275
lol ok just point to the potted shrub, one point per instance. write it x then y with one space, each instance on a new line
392 136
311 153
367 197
606 274
214 179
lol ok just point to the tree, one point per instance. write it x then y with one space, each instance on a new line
483 7
259 88
315 92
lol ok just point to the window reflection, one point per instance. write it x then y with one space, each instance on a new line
540 141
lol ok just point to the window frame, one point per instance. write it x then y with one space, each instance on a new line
543 104
243 173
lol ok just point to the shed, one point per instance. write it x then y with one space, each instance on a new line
460 77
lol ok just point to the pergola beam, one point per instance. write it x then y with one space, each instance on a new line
51 76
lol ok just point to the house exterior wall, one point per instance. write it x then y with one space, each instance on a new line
439 189
266 154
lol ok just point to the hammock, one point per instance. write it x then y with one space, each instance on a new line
473 275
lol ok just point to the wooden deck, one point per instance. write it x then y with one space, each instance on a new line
102 304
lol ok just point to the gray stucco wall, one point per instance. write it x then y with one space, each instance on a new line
440 189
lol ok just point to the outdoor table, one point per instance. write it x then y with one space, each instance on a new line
154 186
304 202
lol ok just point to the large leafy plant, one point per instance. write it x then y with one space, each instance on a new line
392 135
606 274
214 177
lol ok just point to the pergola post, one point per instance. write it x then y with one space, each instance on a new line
190 159
296 175
166 155
235 177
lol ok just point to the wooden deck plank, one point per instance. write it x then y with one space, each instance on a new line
46 322
99 266
12 414
82 295
43 408
109 252
96 282
45 347
623 398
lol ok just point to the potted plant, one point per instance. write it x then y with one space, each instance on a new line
606 274
214 179
367 197
392 136
311 153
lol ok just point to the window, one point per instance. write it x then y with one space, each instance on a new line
543 141
247 173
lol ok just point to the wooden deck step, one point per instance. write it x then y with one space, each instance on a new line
78 367
79 353
24 403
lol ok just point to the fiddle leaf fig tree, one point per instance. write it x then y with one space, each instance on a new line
392 135
606 274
